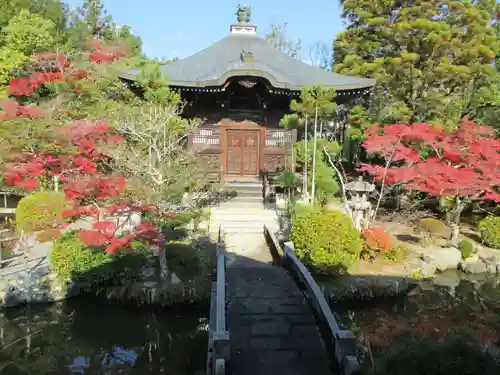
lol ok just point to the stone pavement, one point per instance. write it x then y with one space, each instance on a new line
272 329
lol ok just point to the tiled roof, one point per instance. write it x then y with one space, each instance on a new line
225 58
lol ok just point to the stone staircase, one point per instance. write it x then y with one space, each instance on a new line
245 213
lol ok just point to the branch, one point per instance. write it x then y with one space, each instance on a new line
384 176
342 183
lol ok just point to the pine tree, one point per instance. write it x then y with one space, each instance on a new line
432 59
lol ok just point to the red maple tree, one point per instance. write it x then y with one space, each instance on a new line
74 161
463 164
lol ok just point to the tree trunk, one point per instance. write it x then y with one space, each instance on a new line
455 225
313 187
305 189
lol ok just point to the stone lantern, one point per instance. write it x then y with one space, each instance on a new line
361 208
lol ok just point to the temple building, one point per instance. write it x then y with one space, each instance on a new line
241 86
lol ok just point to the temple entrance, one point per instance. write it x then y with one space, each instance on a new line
243 152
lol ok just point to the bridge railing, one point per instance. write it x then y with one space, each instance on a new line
341 341
218 334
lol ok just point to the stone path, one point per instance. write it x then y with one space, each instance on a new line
272 328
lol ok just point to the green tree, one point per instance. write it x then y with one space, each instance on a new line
9 59
315 102
432 59
29 33
90 20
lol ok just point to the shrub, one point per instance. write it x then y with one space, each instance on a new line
466 248
326 240
71 260
304 209
377 241
41 210
489 228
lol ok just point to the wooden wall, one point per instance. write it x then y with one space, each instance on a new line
274 153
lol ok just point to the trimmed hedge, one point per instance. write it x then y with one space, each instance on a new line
71 260
489 228
326 240
42 210
466 248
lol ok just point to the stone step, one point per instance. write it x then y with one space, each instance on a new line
243 223
241 202
241 209
238 230
248 193
251 211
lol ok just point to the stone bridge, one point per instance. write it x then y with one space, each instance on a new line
270 317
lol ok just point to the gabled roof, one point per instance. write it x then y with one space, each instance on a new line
225 58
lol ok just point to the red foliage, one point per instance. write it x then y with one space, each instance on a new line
377 239
56 67
12 109
96 187
460 163
102 54
78 173
104 234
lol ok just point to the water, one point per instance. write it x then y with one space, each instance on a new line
86 336
453 301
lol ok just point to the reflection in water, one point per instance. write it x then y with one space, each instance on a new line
89 337
435 308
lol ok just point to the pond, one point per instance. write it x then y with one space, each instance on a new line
452 301
92 337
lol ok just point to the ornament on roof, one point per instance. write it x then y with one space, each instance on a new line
247 83
243 14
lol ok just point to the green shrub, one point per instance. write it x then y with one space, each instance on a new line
466 248
41 210
71 260
300 209
489 228
326 240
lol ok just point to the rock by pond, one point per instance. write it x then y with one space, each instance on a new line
443 258
27 278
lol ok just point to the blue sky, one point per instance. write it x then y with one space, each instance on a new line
173 28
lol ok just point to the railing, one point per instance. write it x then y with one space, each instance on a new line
205 137
342 342
218 335
279 138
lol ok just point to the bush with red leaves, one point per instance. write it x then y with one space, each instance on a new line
377 240
463 163
73 161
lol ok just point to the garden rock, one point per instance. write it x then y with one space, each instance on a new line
424 269
448 280
493 263
473 267
443 258
33 285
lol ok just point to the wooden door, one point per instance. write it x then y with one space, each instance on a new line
243 152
